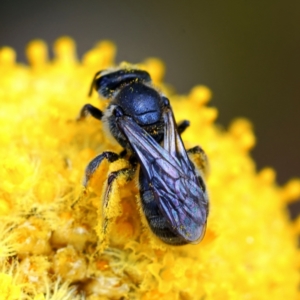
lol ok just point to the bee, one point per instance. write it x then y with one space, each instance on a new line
172 189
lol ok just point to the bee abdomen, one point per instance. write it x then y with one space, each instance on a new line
157 222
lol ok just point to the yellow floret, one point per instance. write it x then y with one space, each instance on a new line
52 241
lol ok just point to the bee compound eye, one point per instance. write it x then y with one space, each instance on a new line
118 111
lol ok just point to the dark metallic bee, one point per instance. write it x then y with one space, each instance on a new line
172 190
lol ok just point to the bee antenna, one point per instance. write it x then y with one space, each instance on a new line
93 83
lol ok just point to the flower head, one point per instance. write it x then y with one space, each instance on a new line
52 246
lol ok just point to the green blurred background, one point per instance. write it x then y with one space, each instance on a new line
247 52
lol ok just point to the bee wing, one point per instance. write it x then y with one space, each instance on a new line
172 177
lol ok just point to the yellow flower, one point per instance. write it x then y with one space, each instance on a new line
52 246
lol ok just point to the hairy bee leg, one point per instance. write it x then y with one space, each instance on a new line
112 177
182 126
200 159
95 163
93 166
89 109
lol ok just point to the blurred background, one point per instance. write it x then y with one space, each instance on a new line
247 52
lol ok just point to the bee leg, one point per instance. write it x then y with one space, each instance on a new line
200 159
127 172
95 163
89 109
123 153
112 177
182 126
93 166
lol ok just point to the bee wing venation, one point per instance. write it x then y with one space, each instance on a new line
172 177
172 140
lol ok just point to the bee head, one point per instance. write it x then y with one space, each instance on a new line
131 94
106 82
